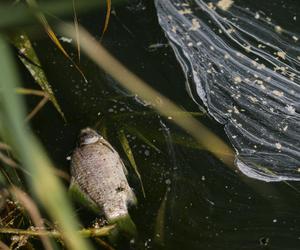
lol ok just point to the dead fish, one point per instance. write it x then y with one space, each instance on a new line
99 175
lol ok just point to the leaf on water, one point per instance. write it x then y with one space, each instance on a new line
107 17
127 149
40 16
31 61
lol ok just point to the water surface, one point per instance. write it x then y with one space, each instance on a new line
193 200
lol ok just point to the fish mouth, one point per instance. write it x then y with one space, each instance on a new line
88 136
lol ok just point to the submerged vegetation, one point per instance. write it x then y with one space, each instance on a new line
33 201
149 130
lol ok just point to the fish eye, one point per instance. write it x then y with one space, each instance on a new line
88 139
88 136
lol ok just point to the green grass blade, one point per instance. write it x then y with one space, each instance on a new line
142 137
127 149
31 61
45 185
107 17
42 19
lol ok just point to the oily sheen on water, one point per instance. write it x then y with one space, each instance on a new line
244 67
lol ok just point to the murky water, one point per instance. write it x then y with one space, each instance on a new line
245 68
193 201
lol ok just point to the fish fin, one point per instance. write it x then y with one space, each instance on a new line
124 227
107 144
131 199
124 168
77 194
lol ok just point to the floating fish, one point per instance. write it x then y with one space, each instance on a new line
99 178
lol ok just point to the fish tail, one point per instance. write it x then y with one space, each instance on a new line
124 226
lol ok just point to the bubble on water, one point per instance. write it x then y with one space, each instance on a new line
245 68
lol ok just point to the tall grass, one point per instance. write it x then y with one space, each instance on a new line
26 151
42 180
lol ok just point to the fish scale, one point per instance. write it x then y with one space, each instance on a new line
98 171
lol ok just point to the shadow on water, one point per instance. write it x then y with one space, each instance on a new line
192 200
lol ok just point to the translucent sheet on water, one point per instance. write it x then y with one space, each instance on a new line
245 69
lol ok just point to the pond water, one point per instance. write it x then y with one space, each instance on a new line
244 66
192 200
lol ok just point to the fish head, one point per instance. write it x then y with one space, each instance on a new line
88 136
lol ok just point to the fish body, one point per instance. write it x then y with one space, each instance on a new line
98 171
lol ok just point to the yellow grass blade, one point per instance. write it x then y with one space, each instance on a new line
76 29
25 91
107 17
40 16
36 109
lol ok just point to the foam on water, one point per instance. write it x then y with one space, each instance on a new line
245 69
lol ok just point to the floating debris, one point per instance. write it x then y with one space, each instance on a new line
65 39
245 68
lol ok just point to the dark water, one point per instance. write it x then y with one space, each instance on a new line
244 65
192 201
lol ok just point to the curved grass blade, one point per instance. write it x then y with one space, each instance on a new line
127 149
40 16
46 186
36 109
31 61
76 30
142 137
107 17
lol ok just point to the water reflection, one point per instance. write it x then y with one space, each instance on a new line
245 68
207 205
